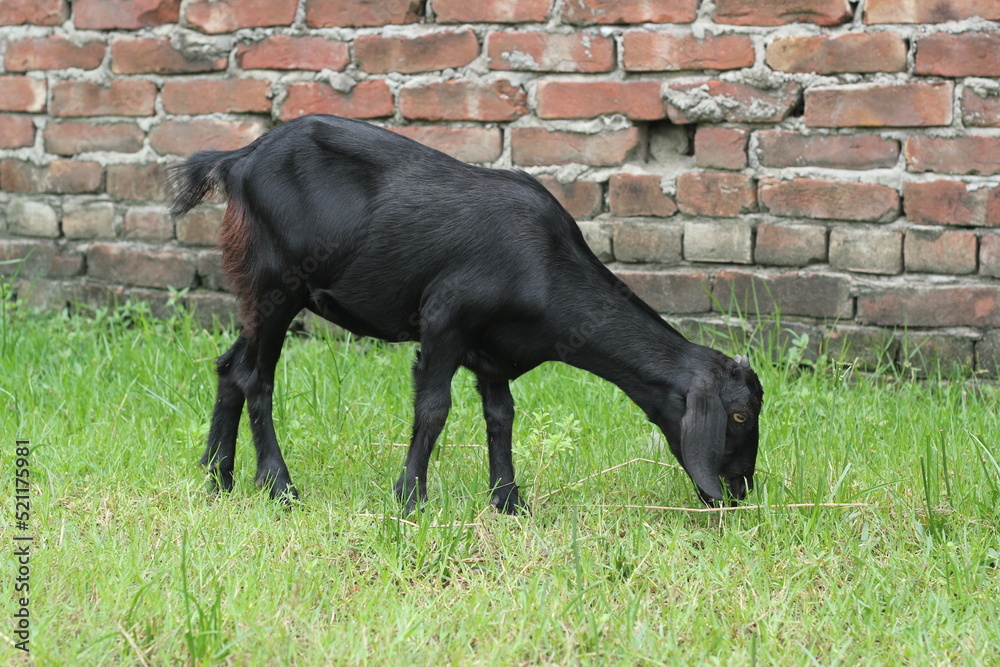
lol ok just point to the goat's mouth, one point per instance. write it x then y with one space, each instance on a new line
734 489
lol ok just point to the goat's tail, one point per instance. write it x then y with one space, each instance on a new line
191 182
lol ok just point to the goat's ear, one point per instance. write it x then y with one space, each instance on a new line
742 361
703 436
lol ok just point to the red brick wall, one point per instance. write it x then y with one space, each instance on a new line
837 161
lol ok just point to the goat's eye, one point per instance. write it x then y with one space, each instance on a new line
739 417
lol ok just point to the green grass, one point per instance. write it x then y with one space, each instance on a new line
134 562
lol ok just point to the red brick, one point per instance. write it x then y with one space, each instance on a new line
491 11
781 148
780 12
821 295
920 104
546 52
938 306
423 53
136 181
156 55
88 220
16 132
597 236
200 226
725 241
21 93
644 240
966 54
37 256
210 273
74 138
463 100
183 137
638 100
360 13
532 146
36 12
468 144
851 52
989 255
961 155
56 52
717 195
992 217
144 267
629 11
940 202
937 251
662 51
791 245
66 264
124 14
217 96
877 251
218 16
210 310
865 348
639 194
980 109
718 101
28 217
286 52
61 177
151 223
582 199
951 203
939 11
670 292
124 97
720 147
934 354
831 200
368 99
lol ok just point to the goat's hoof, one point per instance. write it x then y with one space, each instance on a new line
511 505
219 480
409 497
285 494
286 497
279 489
411 504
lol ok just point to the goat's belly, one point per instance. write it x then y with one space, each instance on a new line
493 368
372 320
497 355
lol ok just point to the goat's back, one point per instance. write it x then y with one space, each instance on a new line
370 223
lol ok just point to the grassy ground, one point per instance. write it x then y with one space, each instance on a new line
133 562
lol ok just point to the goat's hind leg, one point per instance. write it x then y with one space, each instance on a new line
263 352
220 451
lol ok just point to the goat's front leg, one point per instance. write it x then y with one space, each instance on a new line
498 410
433 370
220 451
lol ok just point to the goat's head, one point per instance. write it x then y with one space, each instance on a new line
719 430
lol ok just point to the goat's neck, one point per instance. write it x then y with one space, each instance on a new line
632 347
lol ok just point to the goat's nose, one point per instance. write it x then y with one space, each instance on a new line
737 487
709 500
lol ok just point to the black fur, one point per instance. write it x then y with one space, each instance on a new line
483 267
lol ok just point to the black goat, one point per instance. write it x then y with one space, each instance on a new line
394 240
